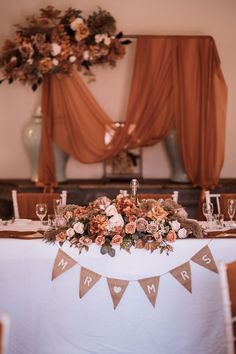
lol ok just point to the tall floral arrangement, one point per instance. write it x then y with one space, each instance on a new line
53 42
148 224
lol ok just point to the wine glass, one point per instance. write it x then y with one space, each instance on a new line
41 211
207 210
231 209
56 204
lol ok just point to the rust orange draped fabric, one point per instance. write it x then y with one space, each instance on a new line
177 81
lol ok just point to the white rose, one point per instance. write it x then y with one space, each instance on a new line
86 55
182 233
56 49
74 24
72 59
107 40
111 210
116 221
55 61
175 225
79 228
70 232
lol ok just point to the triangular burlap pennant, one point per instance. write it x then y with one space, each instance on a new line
88 279
117 288
150 287
204 258
183 275
63 262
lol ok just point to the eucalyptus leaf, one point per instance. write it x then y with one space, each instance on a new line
104 249
111 252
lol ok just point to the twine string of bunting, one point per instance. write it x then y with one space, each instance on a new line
117 287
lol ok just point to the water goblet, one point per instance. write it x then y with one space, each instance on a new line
207 210
231 209
56 205
41 211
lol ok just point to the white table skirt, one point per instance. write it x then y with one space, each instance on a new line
48 317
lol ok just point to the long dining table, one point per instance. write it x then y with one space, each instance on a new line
51 317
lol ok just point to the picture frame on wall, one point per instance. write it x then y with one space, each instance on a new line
125 165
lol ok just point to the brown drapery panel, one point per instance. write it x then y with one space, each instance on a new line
176 81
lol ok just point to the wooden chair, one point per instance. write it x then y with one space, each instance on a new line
228 289
156 196
24 203
224 197
4 333
208 197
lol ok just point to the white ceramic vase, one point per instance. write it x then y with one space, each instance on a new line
178 173
31 140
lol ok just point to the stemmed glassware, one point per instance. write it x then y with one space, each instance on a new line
56 206
231 209
41 211
207 210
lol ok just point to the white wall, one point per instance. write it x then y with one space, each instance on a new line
184 17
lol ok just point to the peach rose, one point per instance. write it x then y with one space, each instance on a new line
61 237
171 236
86 241
100 240
130 228
117 240
158 237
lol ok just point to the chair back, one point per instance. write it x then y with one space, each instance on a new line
207 197
4 333
228 290
224 197
24 203
158 196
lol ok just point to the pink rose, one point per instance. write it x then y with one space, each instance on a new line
171 236
142 225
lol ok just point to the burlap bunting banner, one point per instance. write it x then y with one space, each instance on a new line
183 275
88 279
62 263
204 258
117 288
150 287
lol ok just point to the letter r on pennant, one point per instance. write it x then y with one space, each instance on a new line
184 275
87 280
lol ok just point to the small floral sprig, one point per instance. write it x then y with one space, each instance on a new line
52 43
149 225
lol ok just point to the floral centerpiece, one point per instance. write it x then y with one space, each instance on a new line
149 224
53 42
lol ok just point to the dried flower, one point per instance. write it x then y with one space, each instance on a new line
53 42
150 225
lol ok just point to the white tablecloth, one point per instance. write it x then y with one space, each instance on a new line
48 317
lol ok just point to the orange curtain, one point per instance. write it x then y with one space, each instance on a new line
200 97
176 81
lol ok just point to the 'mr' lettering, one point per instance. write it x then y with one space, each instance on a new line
62 263
87 280
151 288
